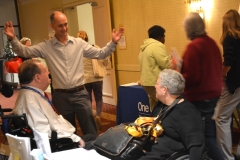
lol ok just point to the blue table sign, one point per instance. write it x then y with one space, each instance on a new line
132 103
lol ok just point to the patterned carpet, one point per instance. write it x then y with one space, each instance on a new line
108 116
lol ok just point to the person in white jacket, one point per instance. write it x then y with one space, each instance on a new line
32 100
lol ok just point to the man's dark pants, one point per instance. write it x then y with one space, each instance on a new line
78 103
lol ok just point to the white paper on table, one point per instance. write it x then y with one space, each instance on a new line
37 154
78 154
19 146
130 84
178 60
42 142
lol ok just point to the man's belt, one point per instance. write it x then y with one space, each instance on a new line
71 90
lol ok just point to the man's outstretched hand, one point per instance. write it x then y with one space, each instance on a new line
9 30
116 36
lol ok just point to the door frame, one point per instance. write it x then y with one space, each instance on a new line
101 16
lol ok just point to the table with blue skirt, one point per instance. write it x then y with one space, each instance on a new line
132 103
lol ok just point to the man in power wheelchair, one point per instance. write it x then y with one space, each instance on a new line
40 113
18 125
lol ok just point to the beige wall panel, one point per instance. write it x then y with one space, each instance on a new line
127 77
34 18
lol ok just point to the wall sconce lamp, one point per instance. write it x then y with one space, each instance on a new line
191 1
200 12
195 6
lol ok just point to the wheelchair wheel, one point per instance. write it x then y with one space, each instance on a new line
180 155
185 157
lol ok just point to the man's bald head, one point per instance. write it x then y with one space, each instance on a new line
59 24
55 14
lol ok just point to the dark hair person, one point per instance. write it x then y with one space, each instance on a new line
153 58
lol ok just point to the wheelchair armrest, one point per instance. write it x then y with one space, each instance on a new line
2 110
14 116
17 124
11 116
6 109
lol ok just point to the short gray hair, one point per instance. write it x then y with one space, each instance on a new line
194 25
173 80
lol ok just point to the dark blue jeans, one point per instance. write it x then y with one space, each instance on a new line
206 107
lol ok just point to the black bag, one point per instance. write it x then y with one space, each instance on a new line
116 143
62 144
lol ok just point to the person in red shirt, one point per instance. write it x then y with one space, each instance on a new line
202 70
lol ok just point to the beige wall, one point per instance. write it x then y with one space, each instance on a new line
34 18
136 16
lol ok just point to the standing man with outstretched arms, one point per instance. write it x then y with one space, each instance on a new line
64 57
